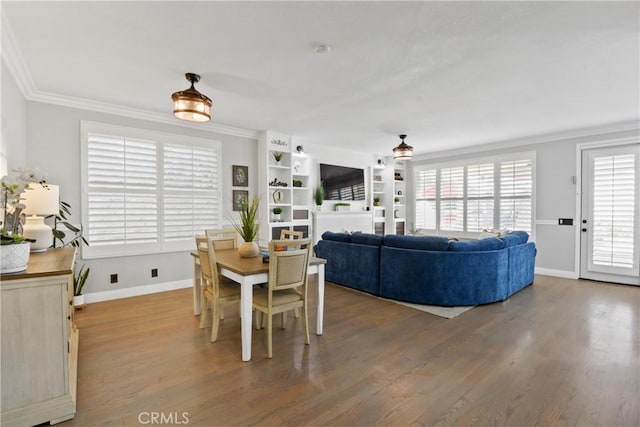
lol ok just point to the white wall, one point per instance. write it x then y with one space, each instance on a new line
53 135
13 141
556 195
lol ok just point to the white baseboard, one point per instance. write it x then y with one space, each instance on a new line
136 291
557 273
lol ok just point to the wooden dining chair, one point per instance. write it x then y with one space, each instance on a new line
287 288
223 238
213 291
290 234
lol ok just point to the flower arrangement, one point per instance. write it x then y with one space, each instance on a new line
11 188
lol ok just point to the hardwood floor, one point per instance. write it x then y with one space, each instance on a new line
560 352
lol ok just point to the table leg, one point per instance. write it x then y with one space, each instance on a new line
320 296
197 282
246 304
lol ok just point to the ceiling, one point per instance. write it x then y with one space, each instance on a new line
449 74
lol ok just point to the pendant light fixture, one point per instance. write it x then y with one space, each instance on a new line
191 105
403 151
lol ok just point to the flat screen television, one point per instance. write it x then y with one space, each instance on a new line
342 183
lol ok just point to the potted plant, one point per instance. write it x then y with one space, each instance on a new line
248 227
342 207
277 156
14 247
276 213
318 196
376 201
79 279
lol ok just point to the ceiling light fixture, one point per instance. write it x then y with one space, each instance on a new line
403 151
191 105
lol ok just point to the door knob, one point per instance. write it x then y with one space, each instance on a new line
584 221
584 230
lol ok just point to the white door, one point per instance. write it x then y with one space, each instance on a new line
610 224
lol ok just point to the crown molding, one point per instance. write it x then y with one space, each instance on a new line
14 60
624 126
102 107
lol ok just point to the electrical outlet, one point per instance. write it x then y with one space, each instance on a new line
154 272
114 278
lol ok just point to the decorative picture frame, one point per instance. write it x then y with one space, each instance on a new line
238 197
240 175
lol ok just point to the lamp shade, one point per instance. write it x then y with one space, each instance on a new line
191 105
403 151
41 200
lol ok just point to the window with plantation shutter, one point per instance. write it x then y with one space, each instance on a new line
452 199
516 189
468 197
425 183
614 189
146 192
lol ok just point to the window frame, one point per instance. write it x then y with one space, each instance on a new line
496 160
160 139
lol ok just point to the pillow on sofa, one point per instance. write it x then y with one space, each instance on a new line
488 244
337 237
426 243
366 239
515 238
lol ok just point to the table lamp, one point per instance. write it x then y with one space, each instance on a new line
40 201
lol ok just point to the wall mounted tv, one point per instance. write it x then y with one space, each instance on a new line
342 183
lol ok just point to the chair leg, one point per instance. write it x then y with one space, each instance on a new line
306 324
283 318
203 311
269 336
296 312
258 320
221 312
215 324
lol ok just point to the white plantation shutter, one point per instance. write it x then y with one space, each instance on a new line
480 200
452 199
516 190
146 192
471 197
613 224
191 191
426 199
122 186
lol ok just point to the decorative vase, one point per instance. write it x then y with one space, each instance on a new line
78 300
276 217
318 208
14 257
249 250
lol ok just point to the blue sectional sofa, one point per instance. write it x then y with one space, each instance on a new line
428 269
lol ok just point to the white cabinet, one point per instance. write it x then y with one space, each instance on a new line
285 187
39 341
388 197
378 198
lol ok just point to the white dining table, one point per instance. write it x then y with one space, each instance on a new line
248 272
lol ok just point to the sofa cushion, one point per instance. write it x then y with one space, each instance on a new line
515 238
488 244
337 237
366 239
426 243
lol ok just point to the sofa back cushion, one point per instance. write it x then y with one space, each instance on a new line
488 244
426 243
515 238
366 239
336 237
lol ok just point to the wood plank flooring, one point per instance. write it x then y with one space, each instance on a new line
560 352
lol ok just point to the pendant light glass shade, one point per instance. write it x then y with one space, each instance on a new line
403 151
191 105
